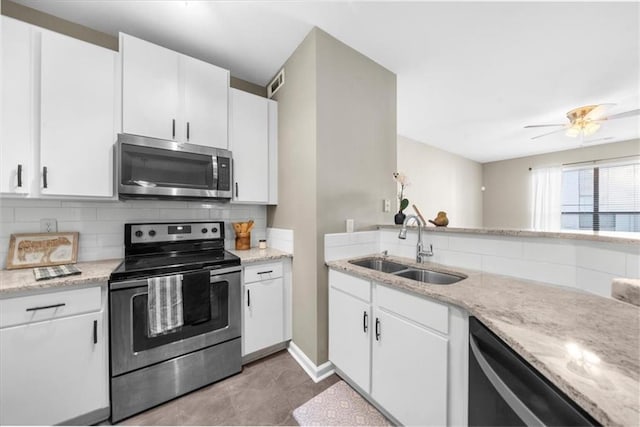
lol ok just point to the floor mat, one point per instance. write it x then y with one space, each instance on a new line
339 405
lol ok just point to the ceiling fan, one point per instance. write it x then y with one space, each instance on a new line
584 121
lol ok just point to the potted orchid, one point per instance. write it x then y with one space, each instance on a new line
401 179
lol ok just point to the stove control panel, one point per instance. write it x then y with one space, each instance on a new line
173 232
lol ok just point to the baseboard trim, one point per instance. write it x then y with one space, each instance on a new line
317 373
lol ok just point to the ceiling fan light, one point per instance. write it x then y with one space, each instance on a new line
573 131
591 128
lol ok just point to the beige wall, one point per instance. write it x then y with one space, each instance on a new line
356 150
441 181
296 208
507 196
337 139
53 23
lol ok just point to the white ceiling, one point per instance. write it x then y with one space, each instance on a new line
470 75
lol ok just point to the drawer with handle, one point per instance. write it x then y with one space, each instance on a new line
36 308
258 272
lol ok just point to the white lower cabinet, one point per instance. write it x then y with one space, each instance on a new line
409 375
394 346
53 368
265 312
350 331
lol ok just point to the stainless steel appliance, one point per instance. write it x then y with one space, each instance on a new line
504 390
148 369
158 169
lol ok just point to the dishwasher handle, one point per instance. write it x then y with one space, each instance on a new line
518 406
531 396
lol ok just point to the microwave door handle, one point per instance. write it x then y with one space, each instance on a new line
214 159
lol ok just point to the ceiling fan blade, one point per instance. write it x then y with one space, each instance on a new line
621 115
598 112
549 133
540 126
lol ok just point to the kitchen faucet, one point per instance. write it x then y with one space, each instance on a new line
420 252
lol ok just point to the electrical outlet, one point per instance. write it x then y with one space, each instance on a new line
386 205
48 225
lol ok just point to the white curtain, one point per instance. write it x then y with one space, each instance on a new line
546 187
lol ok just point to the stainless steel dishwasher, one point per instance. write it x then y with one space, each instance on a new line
504 390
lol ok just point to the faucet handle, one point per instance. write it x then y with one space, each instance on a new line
385 253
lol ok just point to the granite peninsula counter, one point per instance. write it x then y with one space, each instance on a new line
595 236
539 321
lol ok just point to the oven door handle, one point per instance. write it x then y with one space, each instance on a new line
217 276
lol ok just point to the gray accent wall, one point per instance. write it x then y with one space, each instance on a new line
337 153
506 202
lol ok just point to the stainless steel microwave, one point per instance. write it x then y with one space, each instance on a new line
150 168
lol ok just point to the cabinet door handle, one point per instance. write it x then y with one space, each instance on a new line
377 329
19 175
187 131
248 297
45 184
45 307
265 272
237 192
365 321
173 129
95 332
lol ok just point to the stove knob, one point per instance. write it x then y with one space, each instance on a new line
204 231
138 233
152 233
214 230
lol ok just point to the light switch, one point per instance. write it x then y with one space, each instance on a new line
386 205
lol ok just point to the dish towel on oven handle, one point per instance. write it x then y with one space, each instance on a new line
164 304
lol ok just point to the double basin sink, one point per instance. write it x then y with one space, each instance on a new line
413 273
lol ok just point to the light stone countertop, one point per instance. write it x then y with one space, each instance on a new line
538 321
597 236
627 290
16 282
259 255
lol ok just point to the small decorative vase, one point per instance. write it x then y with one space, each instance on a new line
399 218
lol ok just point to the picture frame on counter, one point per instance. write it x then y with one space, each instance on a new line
28 250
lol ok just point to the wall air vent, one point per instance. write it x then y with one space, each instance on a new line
276 84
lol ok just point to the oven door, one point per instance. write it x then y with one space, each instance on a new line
156 168
133 347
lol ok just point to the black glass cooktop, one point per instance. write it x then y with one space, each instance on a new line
160 264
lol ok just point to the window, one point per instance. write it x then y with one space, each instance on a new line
602 197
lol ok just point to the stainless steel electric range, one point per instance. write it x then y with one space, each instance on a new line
148 369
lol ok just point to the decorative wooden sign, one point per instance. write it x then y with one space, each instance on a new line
42 249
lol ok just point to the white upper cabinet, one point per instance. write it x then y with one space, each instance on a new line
58 118
77 117
206 102
16 166
149 89
253 141
171 96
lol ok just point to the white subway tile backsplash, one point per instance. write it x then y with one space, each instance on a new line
32 214
549 250
603 258
457 259
596 282
30 203
506 247
633 266
131 214
101 223
8 228
184 214
556 274
279 238
6 214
